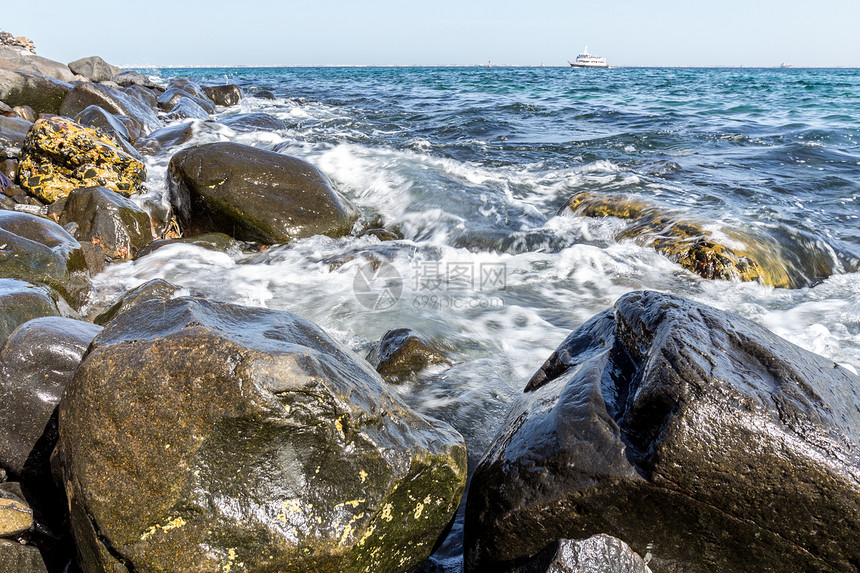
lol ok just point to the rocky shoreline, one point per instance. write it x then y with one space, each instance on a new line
175 433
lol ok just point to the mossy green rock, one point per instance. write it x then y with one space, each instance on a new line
254 195
37 249
43 94
60 156
203 436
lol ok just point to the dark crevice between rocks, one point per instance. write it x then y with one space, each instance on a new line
121 559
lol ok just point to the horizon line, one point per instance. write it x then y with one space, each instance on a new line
706 66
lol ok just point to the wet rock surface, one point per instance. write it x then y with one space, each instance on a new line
156 289
689 433
256 440
186 108
226 95
170 98
39 250
402 353
253 122
254 195
60 155
36 363
777 259
112 100
174 135
108 219
21 301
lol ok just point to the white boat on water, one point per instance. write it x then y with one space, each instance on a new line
586 60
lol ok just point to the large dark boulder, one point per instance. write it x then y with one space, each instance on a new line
60 155
254 195
43 94
113 100
93 68
109 220
40 250
197 436
225 95
21 301
687 432
36 363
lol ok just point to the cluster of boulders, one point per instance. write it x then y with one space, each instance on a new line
171 432
174 433
7 39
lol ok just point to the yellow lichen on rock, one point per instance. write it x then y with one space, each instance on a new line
60 156
739 257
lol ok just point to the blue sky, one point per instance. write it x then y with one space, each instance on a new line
381 32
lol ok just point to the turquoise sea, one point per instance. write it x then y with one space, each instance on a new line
471 166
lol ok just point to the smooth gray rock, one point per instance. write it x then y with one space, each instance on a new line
253 122
18 59
93 68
